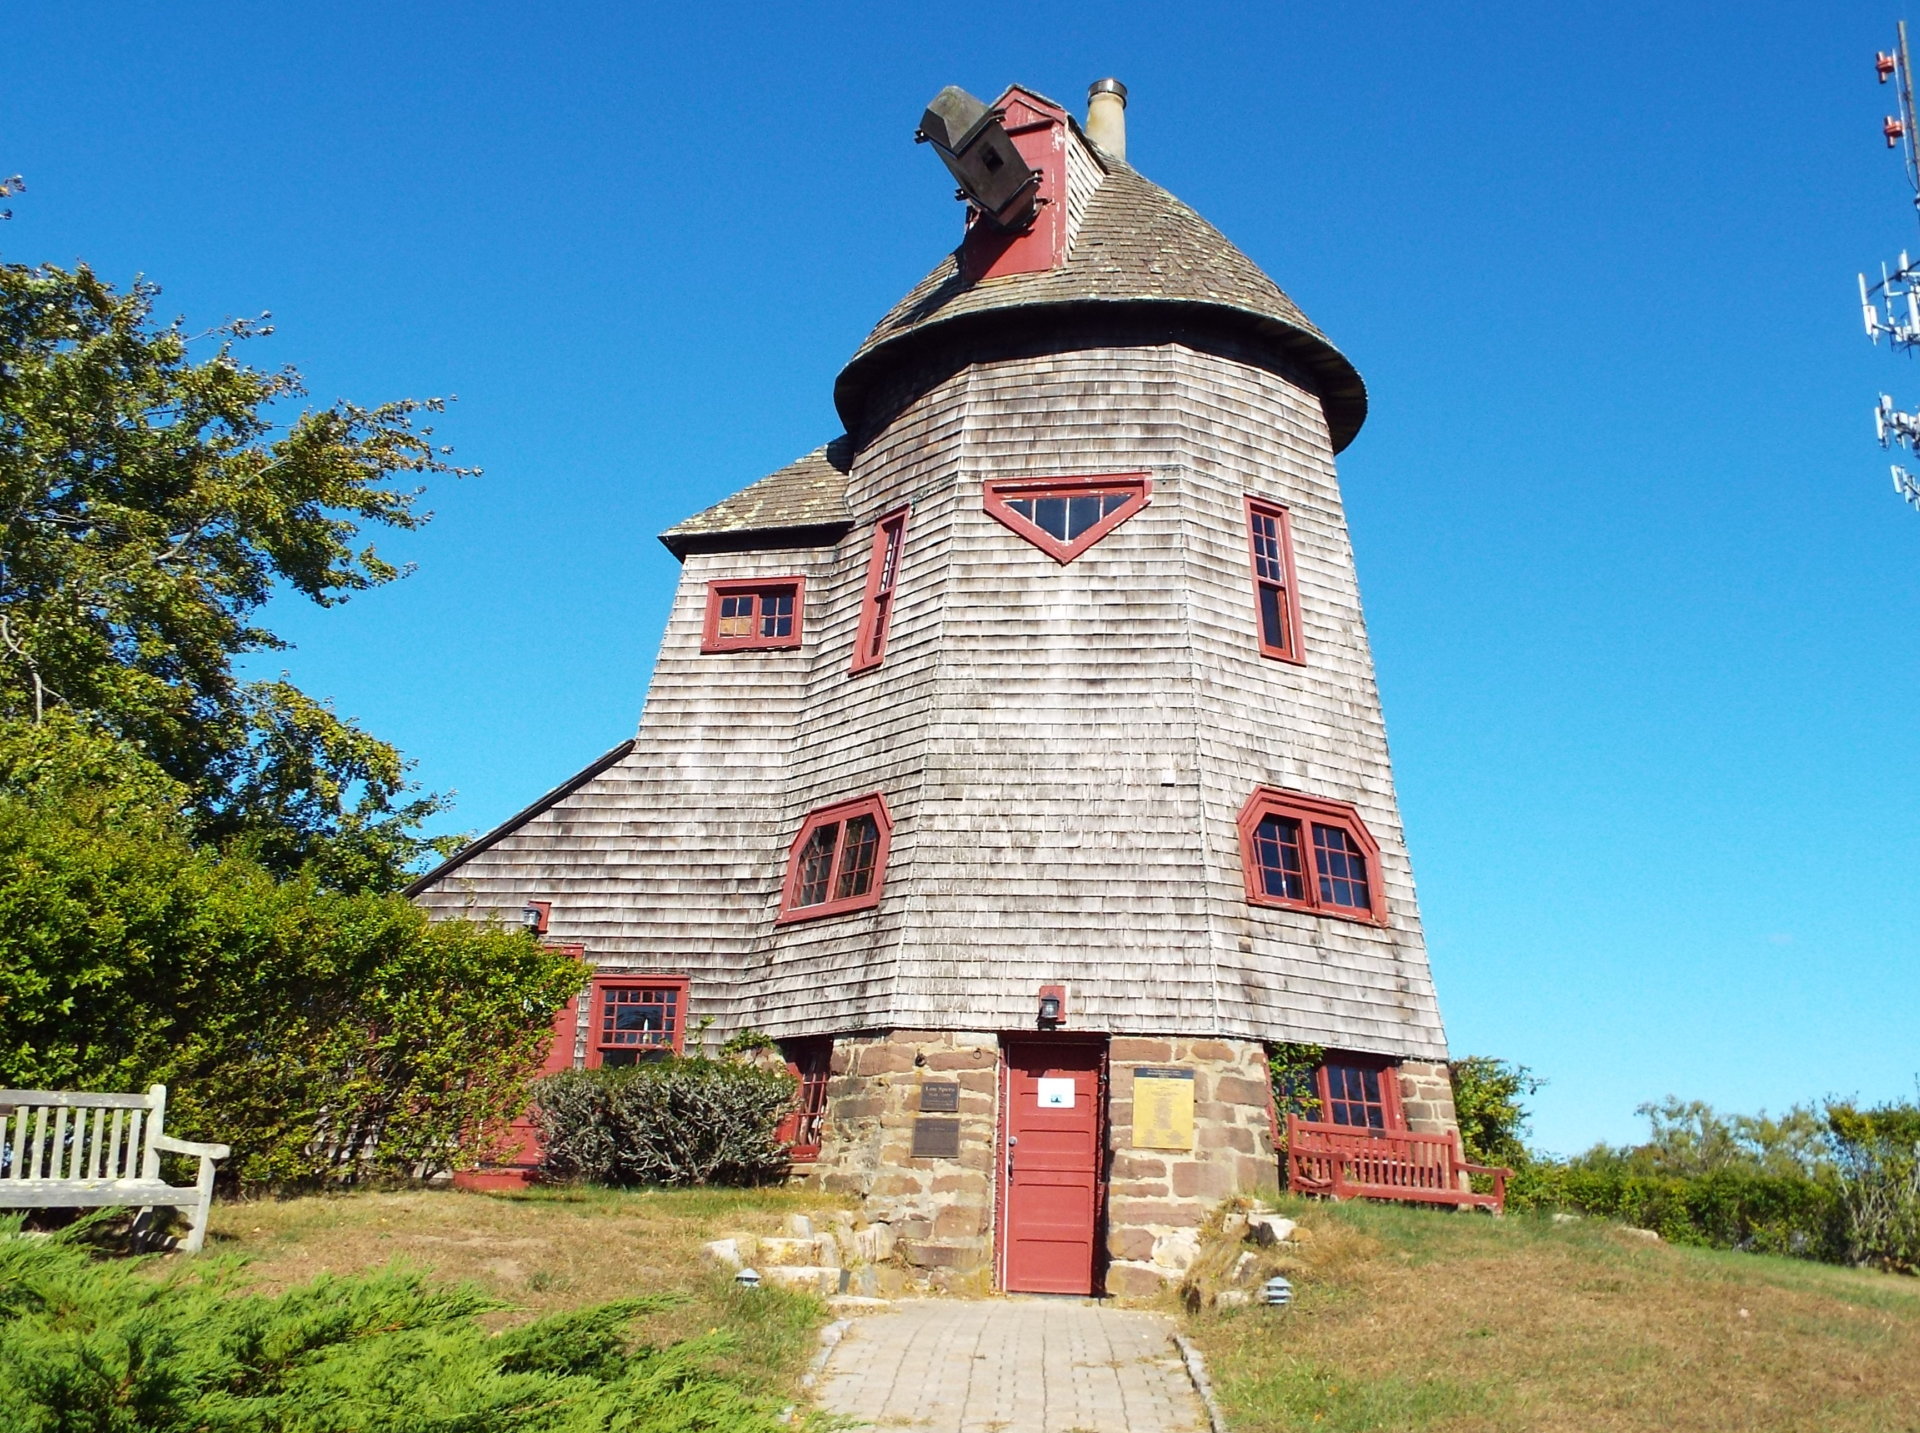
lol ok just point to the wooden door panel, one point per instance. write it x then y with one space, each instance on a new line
1050 1158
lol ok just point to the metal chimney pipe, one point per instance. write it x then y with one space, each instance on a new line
1107 116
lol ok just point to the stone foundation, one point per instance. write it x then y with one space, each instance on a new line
1157 1199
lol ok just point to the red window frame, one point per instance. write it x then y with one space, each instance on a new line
822 838
1135 488
810 1061
1359 1085
757 591
883 581
1276 593
614 993
1325 882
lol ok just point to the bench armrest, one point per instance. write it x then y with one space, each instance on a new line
1485 1169
167 1144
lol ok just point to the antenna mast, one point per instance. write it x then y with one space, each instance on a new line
1892 306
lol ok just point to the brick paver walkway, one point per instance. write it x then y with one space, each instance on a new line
1011 1366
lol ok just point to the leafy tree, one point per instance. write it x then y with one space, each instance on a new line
1691 1138
1878 1153
155 491
321 1033
1486 1100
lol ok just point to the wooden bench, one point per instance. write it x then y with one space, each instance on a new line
60 1149
1354 1162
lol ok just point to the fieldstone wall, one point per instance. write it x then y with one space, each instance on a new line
1426 1097
1157 1199
938 1212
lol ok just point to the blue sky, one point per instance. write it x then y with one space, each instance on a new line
1643 602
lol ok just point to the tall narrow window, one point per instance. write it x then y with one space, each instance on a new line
883 575
756 615
1309 854
838 860
1276 599
1063 517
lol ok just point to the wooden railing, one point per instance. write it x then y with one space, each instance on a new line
1353 1162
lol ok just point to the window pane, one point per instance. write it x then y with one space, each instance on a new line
1343 869
1273 616
736 616
1268 565
856 862
891 560
816 865
776 614
1050 516
1277 853
1354 1098
634 1015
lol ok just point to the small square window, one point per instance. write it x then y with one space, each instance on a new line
838 860
1359 1091
635 1018
753 616
1309 854
1063 517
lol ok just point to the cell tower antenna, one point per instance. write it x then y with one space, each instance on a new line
1892 306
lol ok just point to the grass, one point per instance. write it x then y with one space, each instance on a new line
550 1250
1410 1319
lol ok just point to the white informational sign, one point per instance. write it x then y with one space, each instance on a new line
1056 1094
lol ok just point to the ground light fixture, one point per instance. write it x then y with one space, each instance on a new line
748 1278
1276 1292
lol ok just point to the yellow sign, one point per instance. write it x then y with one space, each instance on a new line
1162 1109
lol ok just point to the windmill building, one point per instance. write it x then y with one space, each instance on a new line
1015 759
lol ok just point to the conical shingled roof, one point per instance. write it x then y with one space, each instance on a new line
1137 248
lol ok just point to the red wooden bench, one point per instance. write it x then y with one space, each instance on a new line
1354 1162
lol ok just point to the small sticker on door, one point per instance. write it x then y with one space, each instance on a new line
1056 1094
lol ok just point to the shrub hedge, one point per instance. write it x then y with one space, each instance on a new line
676 1121
106 1347
1730 1208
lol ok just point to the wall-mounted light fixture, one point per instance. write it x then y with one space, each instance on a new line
1053 1006
534 916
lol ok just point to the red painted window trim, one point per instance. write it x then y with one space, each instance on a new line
1391 1115
603 991
997 495
810 1061
759 588
1285 589
843 860
883 584
1318 877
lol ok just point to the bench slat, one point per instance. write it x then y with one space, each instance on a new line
93 1194
84 1099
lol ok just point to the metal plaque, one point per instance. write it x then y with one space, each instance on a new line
939 1098
936 1139
1162 1109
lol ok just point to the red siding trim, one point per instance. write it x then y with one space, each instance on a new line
883 585
1290 650
874 805
996 494
1309 811
712 641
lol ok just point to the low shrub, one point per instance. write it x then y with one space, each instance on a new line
1878 1154
677 1121
89 1346
1729 1208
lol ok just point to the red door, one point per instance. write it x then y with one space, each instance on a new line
1050 1160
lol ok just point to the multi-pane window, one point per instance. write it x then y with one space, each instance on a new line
633 1020
883 576
1276 600
1358 1094
752 615
838 860
1309 854
1063 517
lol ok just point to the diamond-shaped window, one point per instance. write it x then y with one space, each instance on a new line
1063 517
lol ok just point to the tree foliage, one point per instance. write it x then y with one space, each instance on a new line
1878 1155
321 1033
152 499
1487 1095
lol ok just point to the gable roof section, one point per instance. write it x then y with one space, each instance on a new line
1138 247
520 818
802 505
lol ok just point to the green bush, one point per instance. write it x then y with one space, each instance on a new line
1486 1100
1878 1155
692 1121
89 1347
321 1034
1729 1208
